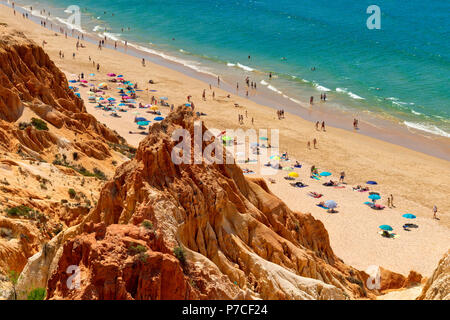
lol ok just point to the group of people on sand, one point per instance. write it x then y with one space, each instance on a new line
322 126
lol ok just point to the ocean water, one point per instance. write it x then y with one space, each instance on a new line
401 72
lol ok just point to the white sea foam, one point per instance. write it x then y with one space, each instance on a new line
427 128
294 100
349 93
415 112
229 64
112 36
264 83
274 89
98 28
69 25
187 63
246 68
320 88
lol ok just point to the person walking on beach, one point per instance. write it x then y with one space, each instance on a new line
218 81
309 145
270 75
252 120
324 97
98 67
435 209
143 62
321 97
213 95
311 100
315 143
323 126
392 201
317 125
204 95
342 177
237 86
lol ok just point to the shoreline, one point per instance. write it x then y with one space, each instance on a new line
371 126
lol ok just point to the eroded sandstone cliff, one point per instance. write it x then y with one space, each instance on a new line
239 240
48 145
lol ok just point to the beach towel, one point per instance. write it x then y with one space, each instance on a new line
315 177
322 206
315 196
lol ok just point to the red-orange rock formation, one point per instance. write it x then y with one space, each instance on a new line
31 86
438 285
234 231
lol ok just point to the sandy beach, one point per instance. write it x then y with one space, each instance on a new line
416 180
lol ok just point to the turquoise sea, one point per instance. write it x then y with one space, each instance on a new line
401 71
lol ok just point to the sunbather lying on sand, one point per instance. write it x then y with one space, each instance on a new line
297 165
247 170
298 184
330 183
315 194
360 188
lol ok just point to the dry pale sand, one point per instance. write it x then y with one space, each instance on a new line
417 181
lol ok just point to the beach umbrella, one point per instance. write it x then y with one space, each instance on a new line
263 138
385 227
275 157
140 119
111 99
122 104
187 104
373 192
374 197
92 74
325 174
158 118
120 76
72 81
293 174
371 182
77 94
409 216
143 123
163 98
84 81
330 204
154 108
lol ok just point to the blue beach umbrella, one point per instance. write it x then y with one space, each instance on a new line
385 227
374 197
371 182
111 99
143 123
409 216
187 104
78 95
72 81
120 76
163 98
122 104
264 138
92 74
325 174
140 119
158 118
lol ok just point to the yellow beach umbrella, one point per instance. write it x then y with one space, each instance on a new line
293 174
154 108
